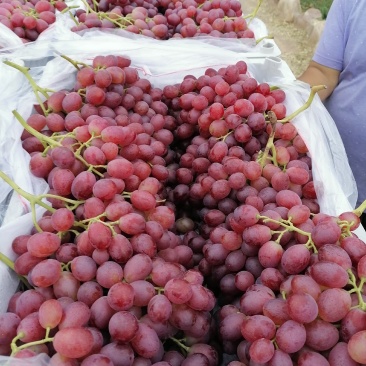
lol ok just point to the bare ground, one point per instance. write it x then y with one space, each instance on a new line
293 42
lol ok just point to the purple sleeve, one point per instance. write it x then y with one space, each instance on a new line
330 49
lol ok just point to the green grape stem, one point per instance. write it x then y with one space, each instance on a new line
314 89
29 197
160 290
67 9
254 12
74 63
257 41
345 227
223 138
19 336
179 342
45 140
73 18
270 145
36 88
48 141
357 289
289 226
37 200
360 209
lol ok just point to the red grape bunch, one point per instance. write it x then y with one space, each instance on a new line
28 19
258 223
166 19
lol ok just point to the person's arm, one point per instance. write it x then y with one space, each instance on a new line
317 74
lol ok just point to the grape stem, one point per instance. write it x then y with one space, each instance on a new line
180 344
19 336
289 226
36 88
345 227
254 12
160 290
73 18
33 200
357 289
222 138
270 146
47 141
74 63
74 203
360 209
67 9
95 4
314 89
262 38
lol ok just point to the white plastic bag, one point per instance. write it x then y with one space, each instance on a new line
8 38
39 360
16 94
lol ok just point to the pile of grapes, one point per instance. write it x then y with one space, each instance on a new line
159 19
181 228
27 19
163 19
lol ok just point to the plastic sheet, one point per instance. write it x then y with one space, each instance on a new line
16 95
40 360
8 38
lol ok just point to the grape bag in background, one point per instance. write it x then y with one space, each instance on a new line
63 28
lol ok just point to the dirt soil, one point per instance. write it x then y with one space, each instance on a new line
291 40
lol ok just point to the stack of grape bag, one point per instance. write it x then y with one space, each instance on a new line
332 176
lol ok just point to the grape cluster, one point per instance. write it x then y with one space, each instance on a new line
27 19
181 224
152 18
167 19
